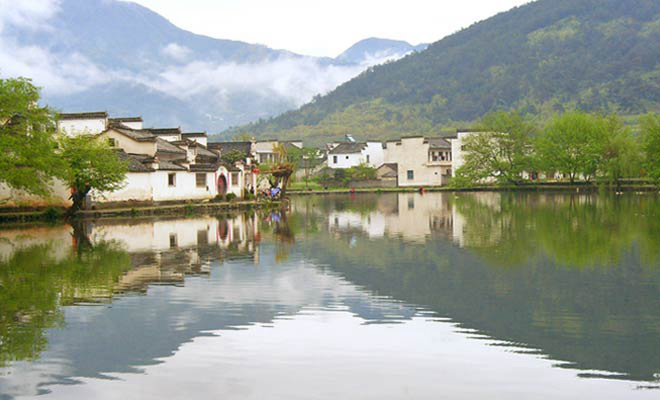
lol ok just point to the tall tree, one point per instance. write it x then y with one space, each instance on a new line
651 145
90 164
501 150
621 156
572 144
27 138
305 158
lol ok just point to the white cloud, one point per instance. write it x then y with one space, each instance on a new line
56 73
294 79
32 14
176 51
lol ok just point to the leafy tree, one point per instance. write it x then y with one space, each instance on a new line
242 137
90 164
572 144
305 158
502 149
27 138
233 156
621 156
651 145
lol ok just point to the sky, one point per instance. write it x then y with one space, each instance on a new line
326 28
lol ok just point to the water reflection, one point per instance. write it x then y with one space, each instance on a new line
380 282
575 277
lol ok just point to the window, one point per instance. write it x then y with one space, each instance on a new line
234 178
347 157
171 179
200 180
334 159
173 240
112 142
367 158
411 175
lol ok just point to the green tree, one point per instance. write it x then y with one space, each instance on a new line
621 156
27 138
90 164
306 159
502 149
651 145
572 144
233 156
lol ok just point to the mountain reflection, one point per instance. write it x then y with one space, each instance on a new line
576 278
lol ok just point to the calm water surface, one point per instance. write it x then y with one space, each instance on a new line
396 296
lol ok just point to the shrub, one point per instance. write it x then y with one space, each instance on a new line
230 196
52 214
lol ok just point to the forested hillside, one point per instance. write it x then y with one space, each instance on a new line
544 57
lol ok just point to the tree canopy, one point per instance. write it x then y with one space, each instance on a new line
90 164
27 138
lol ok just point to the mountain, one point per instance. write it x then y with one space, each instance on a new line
123 58
378 49
543 57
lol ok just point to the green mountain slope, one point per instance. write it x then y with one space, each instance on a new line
544 57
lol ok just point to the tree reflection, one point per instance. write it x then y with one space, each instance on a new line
573 230
34 284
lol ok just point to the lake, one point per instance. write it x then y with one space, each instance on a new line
367 296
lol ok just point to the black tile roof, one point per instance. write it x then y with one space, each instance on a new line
165 131
137 135
136 162
125 119
83 115
439 143
348 148
164 146
194 134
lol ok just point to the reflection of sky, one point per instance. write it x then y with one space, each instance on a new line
324 354
135 330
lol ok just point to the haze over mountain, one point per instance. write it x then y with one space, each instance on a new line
121 57
543 57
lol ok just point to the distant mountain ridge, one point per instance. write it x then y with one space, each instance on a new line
540 58
379 48
126 59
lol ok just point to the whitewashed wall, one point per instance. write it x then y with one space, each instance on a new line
73 127
345 160
59 196
129 145
411 154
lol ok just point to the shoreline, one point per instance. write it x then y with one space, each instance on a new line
56 214
561 187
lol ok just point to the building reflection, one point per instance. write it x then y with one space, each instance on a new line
414 217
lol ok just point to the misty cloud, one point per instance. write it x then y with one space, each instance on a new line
294 79
289 80
176 51
31 14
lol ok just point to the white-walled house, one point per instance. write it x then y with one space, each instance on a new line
351 154
77 123
420 161
458 149
164 164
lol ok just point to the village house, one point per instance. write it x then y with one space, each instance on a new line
165 164
419 161
351 154
265 150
